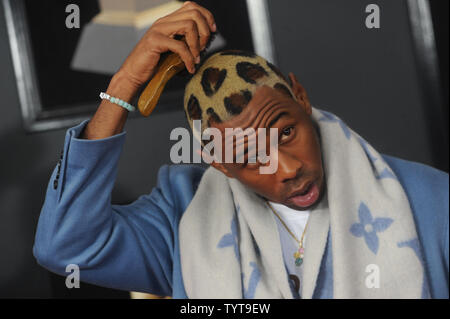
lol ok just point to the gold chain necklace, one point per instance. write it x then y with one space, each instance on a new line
300 252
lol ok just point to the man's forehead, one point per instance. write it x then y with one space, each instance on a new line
265 100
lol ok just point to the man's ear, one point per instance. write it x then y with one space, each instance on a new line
220 167
300 94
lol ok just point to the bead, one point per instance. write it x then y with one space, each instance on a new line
298 261
117 101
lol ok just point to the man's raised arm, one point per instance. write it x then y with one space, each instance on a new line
125 247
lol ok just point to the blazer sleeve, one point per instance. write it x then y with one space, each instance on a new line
126 247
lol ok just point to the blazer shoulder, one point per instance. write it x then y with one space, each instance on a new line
420 177
427 189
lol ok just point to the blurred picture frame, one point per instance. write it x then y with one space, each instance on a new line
54 96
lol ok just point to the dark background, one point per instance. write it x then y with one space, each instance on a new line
370 78
54 45
53 49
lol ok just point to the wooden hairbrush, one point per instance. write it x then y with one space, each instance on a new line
167 69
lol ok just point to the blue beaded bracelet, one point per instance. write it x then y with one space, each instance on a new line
117 101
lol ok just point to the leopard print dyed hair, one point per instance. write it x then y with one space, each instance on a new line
225 83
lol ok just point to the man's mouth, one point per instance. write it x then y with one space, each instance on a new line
306 196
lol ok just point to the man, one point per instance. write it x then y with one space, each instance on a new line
335 220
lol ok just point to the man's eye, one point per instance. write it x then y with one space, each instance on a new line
286 132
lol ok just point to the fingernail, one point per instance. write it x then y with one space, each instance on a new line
197 60
214 27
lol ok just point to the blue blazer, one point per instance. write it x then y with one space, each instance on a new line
135 247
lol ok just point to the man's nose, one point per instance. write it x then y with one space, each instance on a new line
289 167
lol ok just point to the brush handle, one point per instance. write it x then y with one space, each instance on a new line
167 69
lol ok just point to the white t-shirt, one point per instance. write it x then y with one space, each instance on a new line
295 221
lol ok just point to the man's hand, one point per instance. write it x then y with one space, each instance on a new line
193 22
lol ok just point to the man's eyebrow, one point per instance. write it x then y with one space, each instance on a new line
276 119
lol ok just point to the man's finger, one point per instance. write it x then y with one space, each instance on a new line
205 12
181 48
188 28
192 38
195 15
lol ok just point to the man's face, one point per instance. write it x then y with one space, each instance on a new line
299 180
